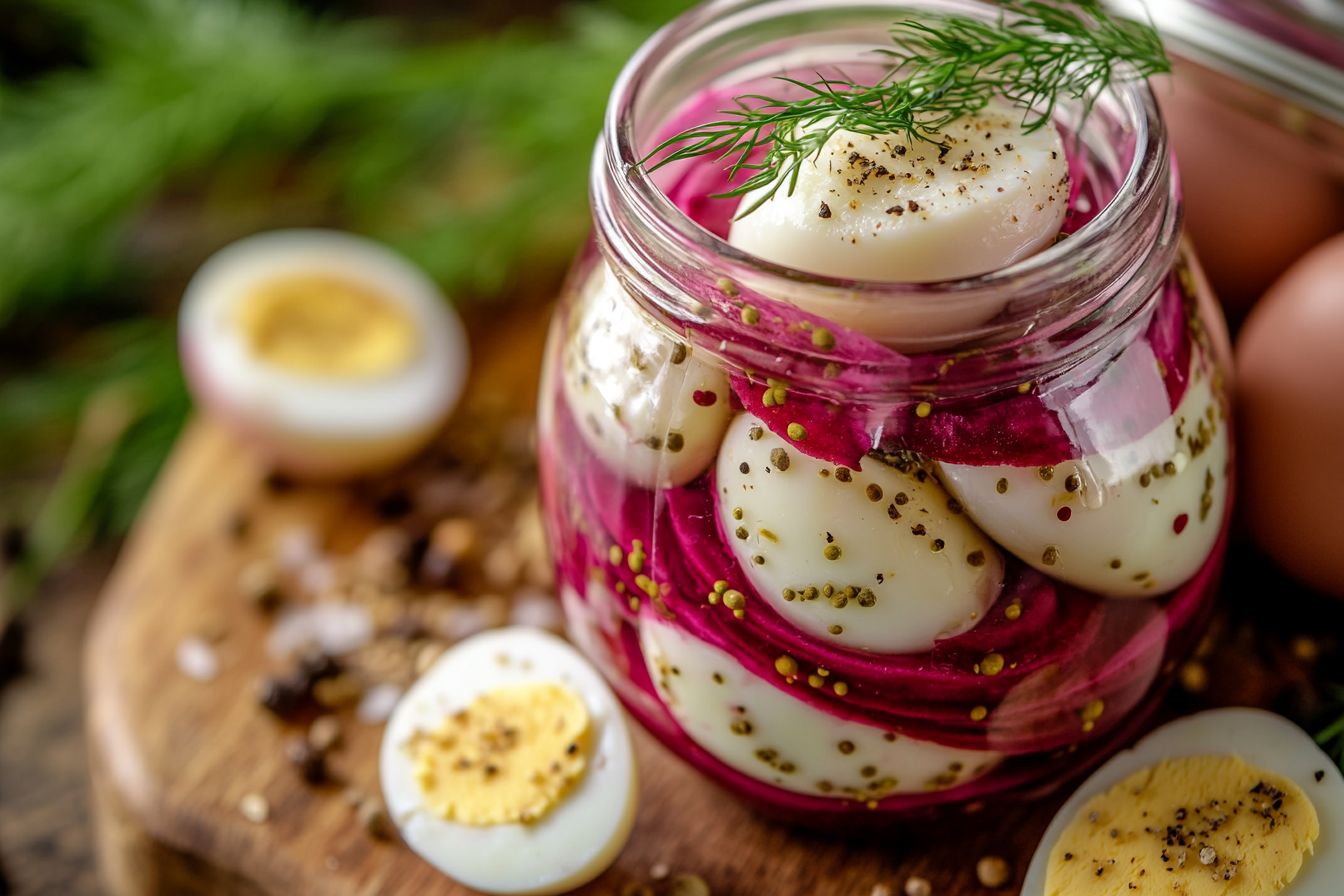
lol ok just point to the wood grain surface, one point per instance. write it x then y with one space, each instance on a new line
46 841
172 757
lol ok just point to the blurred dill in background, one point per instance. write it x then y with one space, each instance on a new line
139 136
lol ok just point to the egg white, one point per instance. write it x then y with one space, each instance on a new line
921 595
573 843
1112 515
631 387
805 739
973 214
324 427
1261 739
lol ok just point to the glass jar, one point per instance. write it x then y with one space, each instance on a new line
880 547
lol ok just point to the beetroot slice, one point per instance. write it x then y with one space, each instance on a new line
1016 429
830 431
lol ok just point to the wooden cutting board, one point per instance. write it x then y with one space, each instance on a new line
172 757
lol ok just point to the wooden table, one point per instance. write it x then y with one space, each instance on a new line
172 757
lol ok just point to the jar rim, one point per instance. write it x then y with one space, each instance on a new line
1119 224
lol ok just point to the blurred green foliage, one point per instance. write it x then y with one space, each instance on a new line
171 127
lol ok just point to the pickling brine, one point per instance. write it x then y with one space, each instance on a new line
864 543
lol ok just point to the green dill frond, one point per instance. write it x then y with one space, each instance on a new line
1035 55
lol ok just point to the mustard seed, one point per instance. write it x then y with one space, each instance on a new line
993 872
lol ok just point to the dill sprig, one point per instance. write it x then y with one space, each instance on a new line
944 67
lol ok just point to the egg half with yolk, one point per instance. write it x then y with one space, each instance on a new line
330 353
509 766
1234 802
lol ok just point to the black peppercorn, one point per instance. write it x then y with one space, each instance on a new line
306 759
279 696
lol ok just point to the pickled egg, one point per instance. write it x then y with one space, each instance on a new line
1228 801
759 729
331 354
651 409
891 209
509 766
881 559
1134 521
1290 395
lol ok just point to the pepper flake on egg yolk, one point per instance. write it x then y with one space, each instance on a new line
1187 827
511 756
320 325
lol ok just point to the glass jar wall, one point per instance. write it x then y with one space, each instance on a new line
876 547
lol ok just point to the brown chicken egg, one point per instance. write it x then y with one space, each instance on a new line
1290 369
1246 236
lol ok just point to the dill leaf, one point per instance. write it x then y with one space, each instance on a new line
943 67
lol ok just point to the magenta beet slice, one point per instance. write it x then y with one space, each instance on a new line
1062 647
830 431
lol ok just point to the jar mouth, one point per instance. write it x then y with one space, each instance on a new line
1117 253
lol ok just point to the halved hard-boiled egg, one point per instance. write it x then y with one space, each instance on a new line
1233 802
1133 521
881 559
759 729
331 353
509 767
649 407
887 208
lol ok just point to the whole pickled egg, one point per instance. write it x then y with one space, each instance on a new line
1290 367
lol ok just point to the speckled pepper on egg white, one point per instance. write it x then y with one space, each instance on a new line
881 559
648 406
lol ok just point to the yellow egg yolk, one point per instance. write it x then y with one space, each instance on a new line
1186 827
322 325
511 756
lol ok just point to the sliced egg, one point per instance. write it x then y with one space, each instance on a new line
1135 521
643 401
882 560
763 732
509 767
332 354
891 209
1234 800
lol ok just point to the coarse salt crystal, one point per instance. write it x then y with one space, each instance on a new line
334 628
317 577
197 660
377 703
464 622
296 546
538 609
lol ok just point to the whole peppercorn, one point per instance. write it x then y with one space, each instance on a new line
282 697
307 759
313 666
372 817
